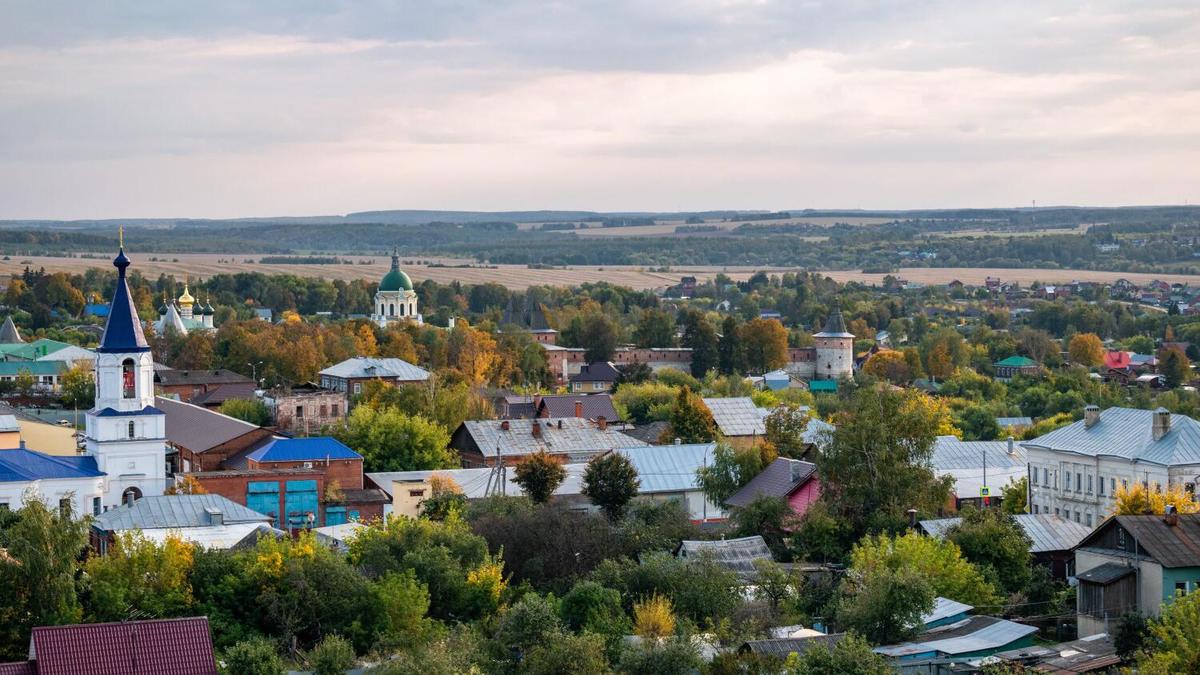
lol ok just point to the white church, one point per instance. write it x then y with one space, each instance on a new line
125 455
395 301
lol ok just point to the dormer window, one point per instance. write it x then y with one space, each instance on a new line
128 385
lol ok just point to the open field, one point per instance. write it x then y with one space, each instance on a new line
1082 228
203 265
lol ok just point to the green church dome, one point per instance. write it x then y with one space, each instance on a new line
395 279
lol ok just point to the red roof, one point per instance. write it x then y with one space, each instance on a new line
1116 360
18 668
158 647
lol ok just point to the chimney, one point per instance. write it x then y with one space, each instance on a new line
1091 415
579 408
1170 515
1011 446
450 323
601 423
503 425
560 424
1161 423
912 518
536 429
797 468
678 441
215 517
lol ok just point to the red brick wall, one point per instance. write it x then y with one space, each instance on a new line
347 472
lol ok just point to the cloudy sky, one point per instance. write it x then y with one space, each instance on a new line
302 107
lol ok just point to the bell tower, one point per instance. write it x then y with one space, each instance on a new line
125 432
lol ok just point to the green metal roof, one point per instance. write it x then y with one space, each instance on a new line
14 368
395 279
33 350
1018 362
823 385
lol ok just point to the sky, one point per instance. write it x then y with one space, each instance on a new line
219 108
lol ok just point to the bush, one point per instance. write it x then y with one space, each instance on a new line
333 655
252 657
653 617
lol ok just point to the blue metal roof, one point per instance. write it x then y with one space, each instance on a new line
123 330
96 309
303 450
19 465
112 412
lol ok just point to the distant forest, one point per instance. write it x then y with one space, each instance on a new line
1121 239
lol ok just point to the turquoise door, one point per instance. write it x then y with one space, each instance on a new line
335 515
299 502
264 498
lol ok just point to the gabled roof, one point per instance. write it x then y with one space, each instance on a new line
737 416
157 647
594 406
365 367
317 448
782 647
1116 360
21 465
1105 573
1171 545
9 334
123 330
1126 433
175 511
669 468
197 428
564 435
175 377
224 392
780 478
599 371
1017 362
1047 532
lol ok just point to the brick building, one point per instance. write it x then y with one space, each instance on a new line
349 375
189 384
305 409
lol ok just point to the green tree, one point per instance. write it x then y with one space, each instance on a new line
1175 366
699 336
852 655
599 337
691 420
24 382
978 423
1172 646
1129 637
252 657
941 562
139 577
1015 495
390 440
333 655
38 573
730 470
567 653
79 386
731 358
249 410
993 541
876 465
655 328
611 481
590 606
884 603
539 475
785 430
645 402
673 656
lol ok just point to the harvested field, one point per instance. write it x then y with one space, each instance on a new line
203 265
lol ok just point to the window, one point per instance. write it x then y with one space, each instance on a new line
1087 519
1112 486
1078 482
333 410
128 379
392 310
416 493
4 507
64 506
1090 479
1181 588
299 412
95 506
1121 538
132 430
1035 508
1056 511
324 410
1124 485
1045 476
131 495
1101 486
1077 516
358 387
401 310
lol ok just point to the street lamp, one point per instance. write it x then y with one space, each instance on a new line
254 370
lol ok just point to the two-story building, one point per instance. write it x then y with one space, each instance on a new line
1074 471
349 376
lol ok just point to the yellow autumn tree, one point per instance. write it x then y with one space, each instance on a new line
364 341
472 352
936 408
889 365
654 617
940 362
1086 349
1138 500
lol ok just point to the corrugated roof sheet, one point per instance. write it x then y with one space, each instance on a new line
1006 422
576 437
669 468
310 449
218 537
157 647
1046 532
780 478
737 416
594 406
976 633
1085 655
944 608
175 511
361 366
474 482
1105 573
782 647
1126 433
21 465
1171 545
738 555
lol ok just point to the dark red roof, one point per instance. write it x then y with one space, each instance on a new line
18 668
157 647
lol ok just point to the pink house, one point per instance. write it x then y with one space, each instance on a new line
792 479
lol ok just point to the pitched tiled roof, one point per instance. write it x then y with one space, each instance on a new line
313 449
780 478
20 465
1126 433
594 406
564 435
363 367
649 432
158 647
1046 532
175 511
